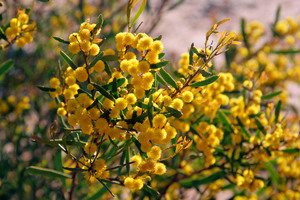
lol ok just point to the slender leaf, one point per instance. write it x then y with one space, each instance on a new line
161 55
46 172
151 191
204 181
277 111
289 51
271 95
243 30
150 110
273 173
75 169
224 119
68 60
61 40
99 193
97 58
159 65
291 151
244 130
139 12
173 112
167 77
260 126
107 70
104 92
191 54
205 73
157 38
138 145
2 34
46 89
6 66
205 82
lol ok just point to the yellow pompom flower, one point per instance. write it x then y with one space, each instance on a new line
157 46
144 43
160 169
143 67
23 18
131 99
139 93
128 39
154 153
159 121
74 47
187 96
21 42
54 82
94 50
137 159
99 66
107 104
177 104
81 74
121 103
61 111
90 148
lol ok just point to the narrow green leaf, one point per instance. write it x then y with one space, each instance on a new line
157 38
59 165
106 187
204 181
224 119
167 77
6 66
159 65
139 12
159 79
94 104
61 40
109 86
68 60
127 161
100 21
104 92
46 89
244 130
205 73
243 30
2 34
267 151
145 106
109 58
107 70
191 55
275 21
277 111
46 172
138 145
291 151
161 55
115 88
260 126
151 191
44 0
207 81
288 51
121 163
150 110
271 95
97 58
273 173
75 169
137 119
173 112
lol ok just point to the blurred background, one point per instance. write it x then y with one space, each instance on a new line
23 110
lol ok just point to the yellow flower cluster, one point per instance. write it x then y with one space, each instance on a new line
84 40
247 181
17 106
20 30
209 138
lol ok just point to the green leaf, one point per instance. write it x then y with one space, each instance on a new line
97 58
159 65
46 89
109 86
137 119
157 38
2 34
191 55
189 183
161 55
173 112
95 103
159 79
59 165
260 126
291 151
44 0
271 95
244 130
205 73
100 21
6 66
150 110
61 40
151 191
127 161
277 111
224 119
145 106
139 12
273 173
68 60
104 92
109 58
121 163
107 70
205 82
167 77
276 20
75 169
243 30
106 187
138 145
288 51
46 172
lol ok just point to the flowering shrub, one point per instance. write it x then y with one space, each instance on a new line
126 119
